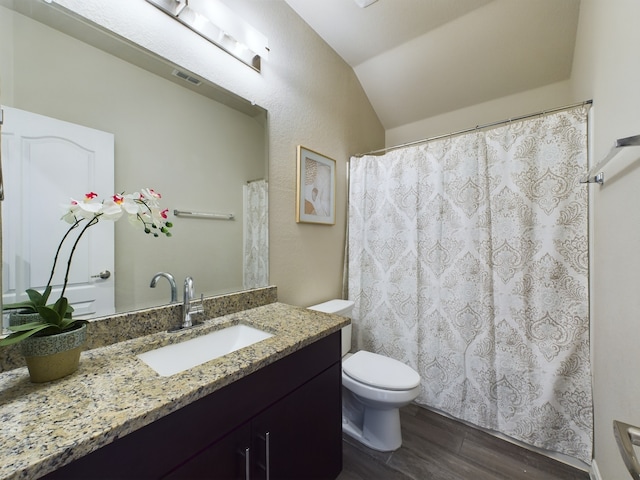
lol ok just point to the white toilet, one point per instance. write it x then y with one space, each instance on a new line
374 389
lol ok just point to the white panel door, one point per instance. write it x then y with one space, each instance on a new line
45 163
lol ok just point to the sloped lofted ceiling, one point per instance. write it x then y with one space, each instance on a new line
419 58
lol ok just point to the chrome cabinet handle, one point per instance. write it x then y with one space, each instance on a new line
267 453
627 436
266 467
247 464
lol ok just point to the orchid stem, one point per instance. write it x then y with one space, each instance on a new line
55 259
91 222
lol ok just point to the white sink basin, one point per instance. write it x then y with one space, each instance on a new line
182 356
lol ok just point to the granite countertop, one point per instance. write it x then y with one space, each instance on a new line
45 426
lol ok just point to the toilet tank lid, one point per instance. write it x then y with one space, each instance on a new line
380 371
337 307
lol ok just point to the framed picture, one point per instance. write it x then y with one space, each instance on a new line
316 192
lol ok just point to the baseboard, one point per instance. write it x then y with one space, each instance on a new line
594 473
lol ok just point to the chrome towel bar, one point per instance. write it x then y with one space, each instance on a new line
213 216
592 177
627 436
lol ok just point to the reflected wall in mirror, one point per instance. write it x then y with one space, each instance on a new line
200 153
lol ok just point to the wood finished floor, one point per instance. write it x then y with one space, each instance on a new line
437 448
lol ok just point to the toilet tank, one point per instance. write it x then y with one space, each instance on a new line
339 307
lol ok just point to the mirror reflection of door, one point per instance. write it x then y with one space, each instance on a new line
45 163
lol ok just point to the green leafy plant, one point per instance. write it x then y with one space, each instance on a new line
142 208
54 318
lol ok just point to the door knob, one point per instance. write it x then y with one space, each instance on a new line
103 275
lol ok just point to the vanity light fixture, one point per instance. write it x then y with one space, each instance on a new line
214 21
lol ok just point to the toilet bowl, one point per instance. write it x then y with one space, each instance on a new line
375 387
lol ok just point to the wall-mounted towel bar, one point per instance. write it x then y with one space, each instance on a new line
213 216
627 436
592 176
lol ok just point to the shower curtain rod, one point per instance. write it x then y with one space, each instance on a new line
477 127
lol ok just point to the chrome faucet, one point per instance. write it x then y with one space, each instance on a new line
188 306
172 282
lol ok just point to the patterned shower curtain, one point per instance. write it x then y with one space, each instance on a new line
256 235
468 260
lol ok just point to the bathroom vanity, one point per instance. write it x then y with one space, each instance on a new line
271 410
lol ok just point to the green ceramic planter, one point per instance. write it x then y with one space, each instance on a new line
54 356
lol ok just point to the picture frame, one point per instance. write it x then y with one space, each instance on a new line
316 188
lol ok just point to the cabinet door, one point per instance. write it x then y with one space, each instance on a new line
299 397
301 435
227 459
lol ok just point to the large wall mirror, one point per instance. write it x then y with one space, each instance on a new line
202 148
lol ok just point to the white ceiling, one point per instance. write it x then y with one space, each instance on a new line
419 58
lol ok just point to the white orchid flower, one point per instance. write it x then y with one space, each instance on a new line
158 217
131 204
150 195
112 208
87 208
143 208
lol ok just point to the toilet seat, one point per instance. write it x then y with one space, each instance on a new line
380 371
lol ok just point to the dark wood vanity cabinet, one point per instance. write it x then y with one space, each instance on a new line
292 439
281 422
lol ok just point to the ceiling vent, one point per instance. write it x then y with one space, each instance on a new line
186 77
